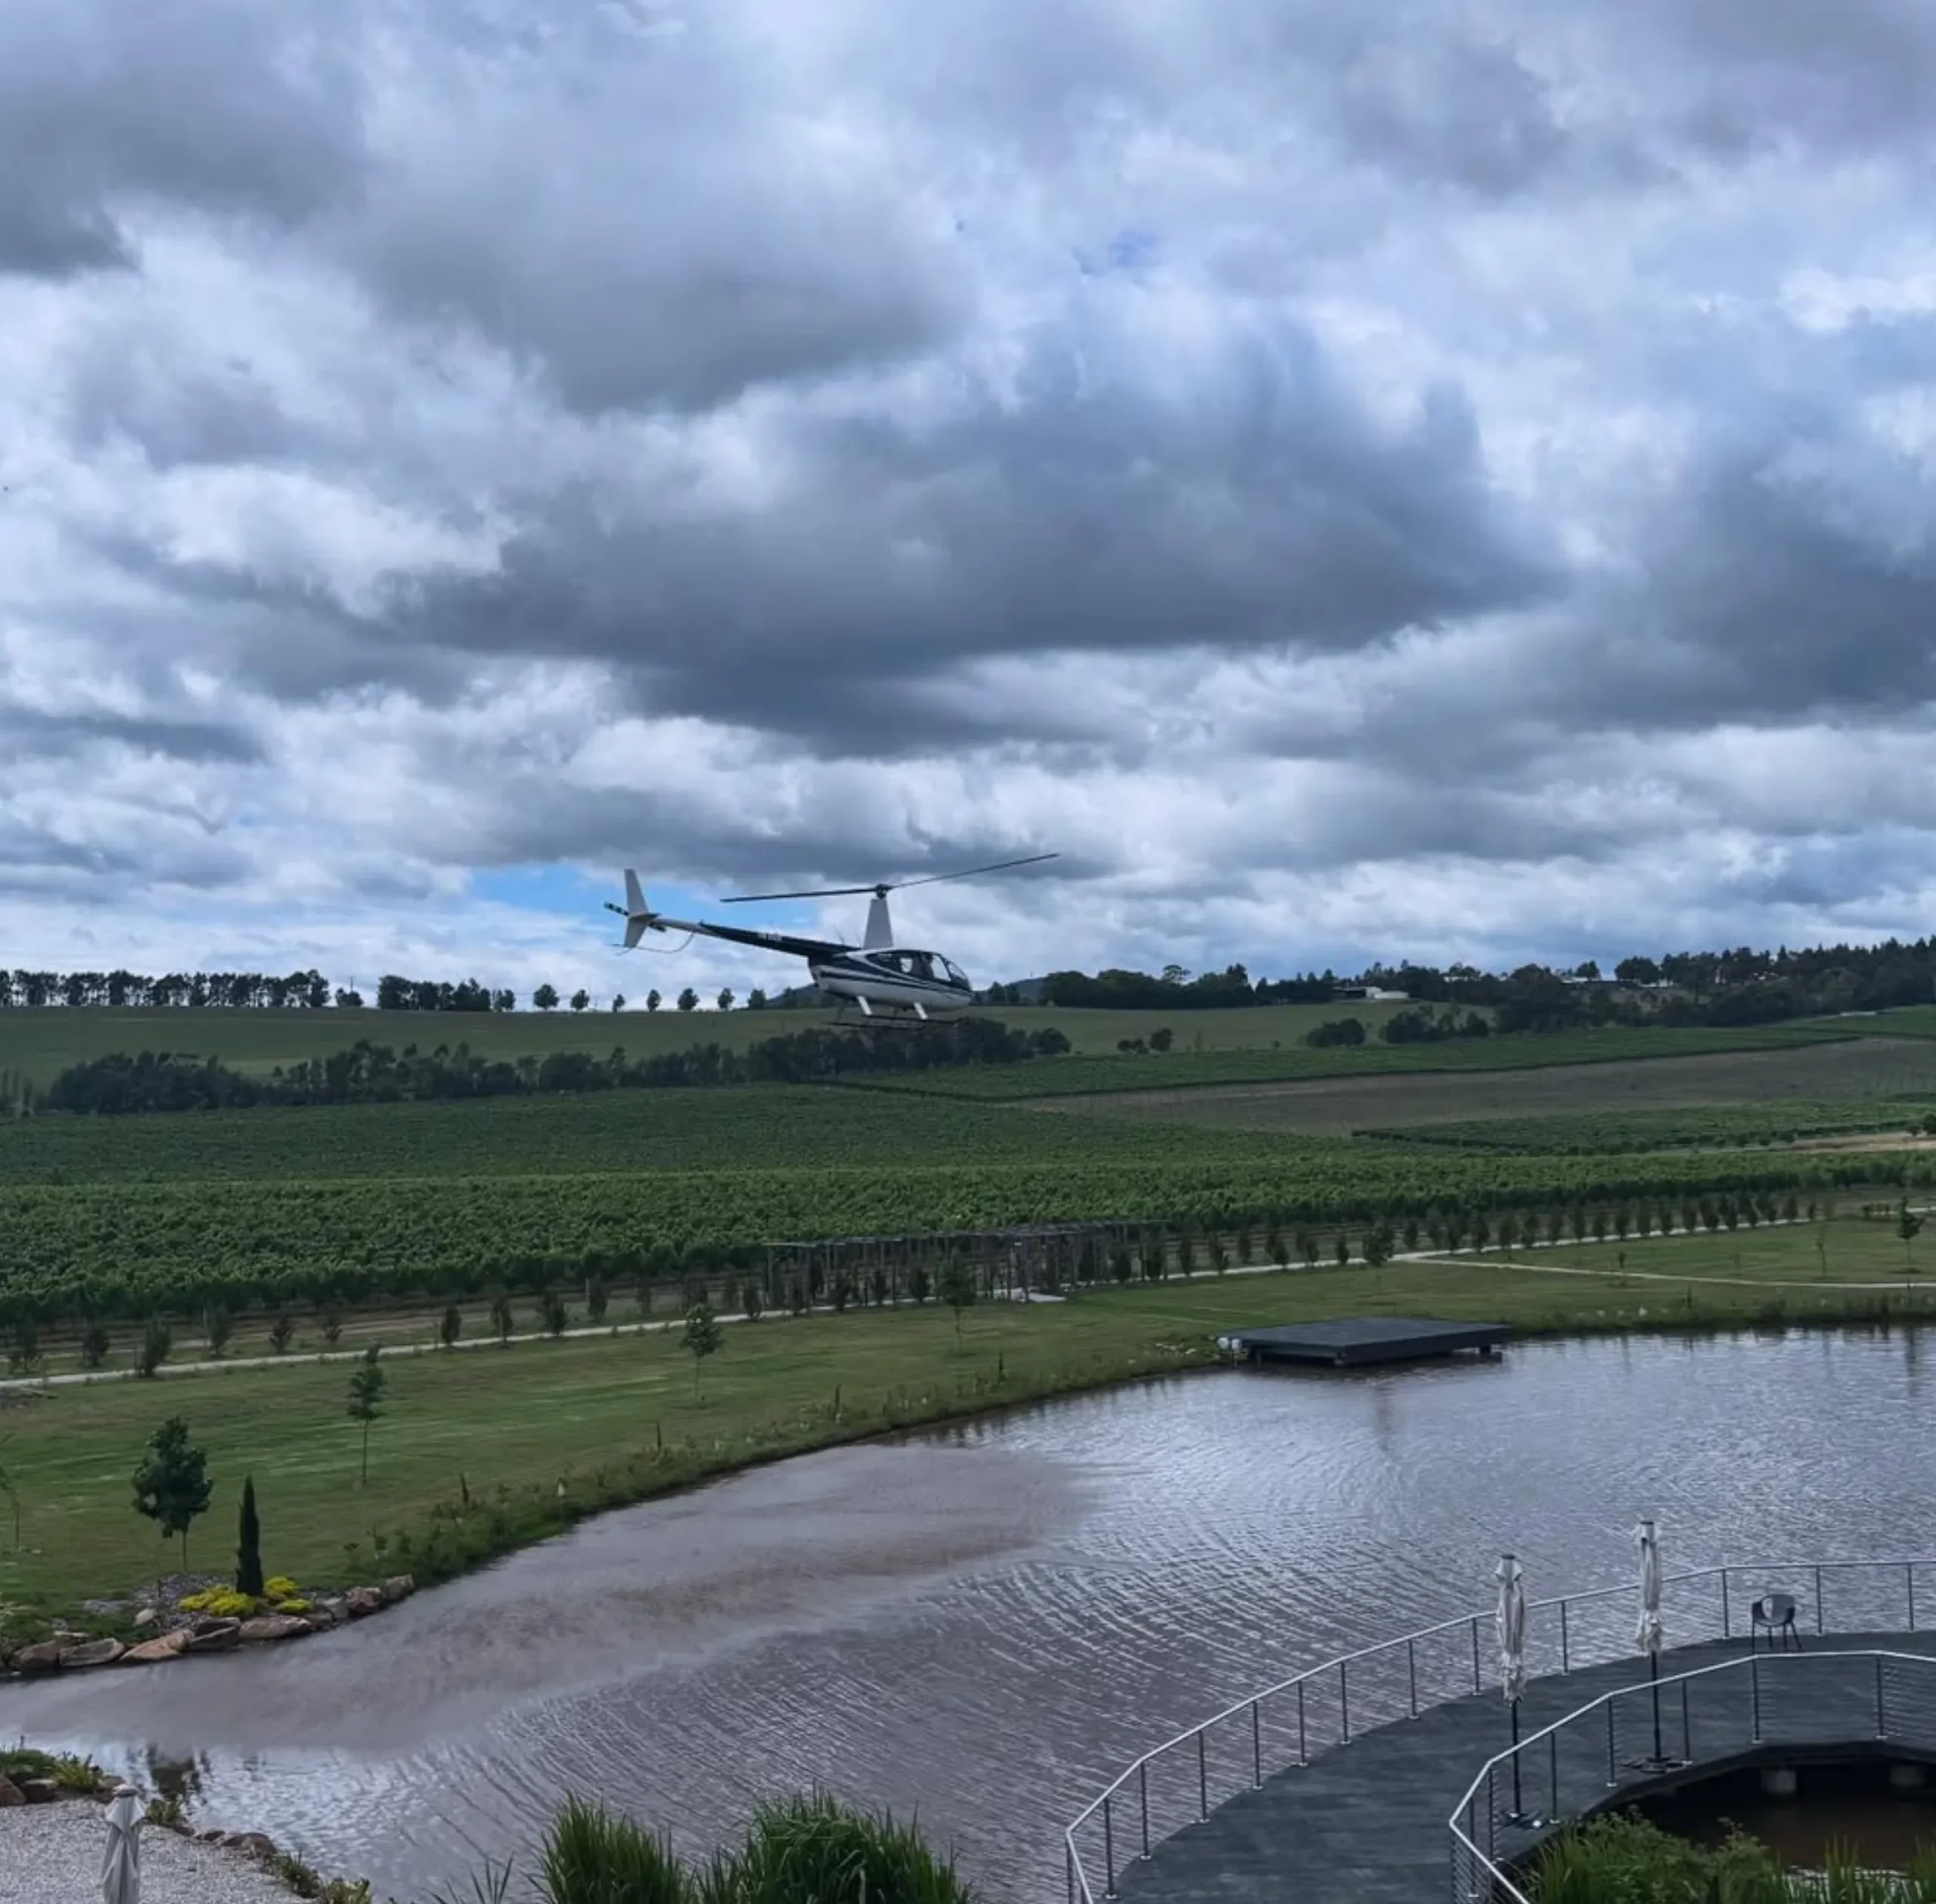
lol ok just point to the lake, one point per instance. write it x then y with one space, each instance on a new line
987 1622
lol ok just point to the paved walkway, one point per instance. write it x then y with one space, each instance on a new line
1366 1823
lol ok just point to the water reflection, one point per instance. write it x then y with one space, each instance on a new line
986 1621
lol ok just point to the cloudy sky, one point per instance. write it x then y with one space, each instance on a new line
1449 480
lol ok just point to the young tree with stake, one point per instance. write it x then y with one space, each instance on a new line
172 1487
958 1290
703 1337
366 1395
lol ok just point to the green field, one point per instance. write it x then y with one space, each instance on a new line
38 1044
1854 1072
1078 1076
524 1418
1904 1021
1605 1133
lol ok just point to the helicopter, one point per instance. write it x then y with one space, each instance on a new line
885 983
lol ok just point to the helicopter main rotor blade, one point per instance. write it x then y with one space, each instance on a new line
888 885
999 866
819 892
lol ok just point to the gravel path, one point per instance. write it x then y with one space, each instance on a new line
51 1854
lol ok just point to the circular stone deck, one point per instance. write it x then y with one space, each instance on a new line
1367 1822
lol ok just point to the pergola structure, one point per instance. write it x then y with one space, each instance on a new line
1038 1257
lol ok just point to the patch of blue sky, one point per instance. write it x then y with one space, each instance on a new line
1127 252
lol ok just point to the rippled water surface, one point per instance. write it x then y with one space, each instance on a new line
987 1622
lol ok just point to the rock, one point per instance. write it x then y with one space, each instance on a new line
147 1617
363 1601
94 1652
398 1586
217 1638
43 1657
39 1791
11 1794
152 1652
273 1626
253 1842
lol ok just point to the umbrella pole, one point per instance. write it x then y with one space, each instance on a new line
1654 1676
1518 1809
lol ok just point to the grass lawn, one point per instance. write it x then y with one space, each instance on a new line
536 1413
1848 1250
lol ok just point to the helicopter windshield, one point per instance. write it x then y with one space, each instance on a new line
956 976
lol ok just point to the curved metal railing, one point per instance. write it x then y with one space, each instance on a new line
1180 1782
1566 1770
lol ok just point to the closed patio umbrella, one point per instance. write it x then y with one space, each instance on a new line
121 1869
1648 1634
1511 1619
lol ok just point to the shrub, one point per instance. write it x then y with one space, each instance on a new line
292 1606
69 1773
223 1602
280 1586
1627 1857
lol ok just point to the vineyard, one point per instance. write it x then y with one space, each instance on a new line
782 1126
1078 1075
128 1249
1606 1133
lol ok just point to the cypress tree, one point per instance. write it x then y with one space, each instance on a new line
249 1555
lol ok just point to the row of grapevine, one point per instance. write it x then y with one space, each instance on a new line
129 1248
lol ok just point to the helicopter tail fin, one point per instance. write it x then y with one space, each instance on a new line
637 915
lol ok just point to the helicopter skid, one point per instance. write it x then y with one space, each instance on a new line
863 1011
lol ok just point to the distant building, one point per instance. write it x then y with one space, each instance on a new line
1371 994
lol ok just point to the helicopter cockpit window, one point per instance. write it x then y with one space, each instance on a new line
921 965
956 975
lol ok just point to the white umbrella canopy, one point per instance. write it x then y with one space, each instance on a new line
1647 1636
121 1869
1511 1619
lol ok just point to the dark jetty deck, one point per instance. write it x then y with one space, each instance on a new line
1350 1341
1366 1823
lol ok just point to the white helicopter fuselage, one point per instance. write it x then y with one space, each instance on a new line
894 980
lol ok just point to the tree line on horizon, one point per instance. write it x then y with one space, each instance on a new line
1742 986
122 990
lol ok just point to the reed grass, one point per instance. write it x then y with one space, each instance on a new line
804 1849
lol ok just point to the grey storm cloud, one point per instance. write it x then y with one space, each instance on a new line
215 103
27 733
1413 398
1270 511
